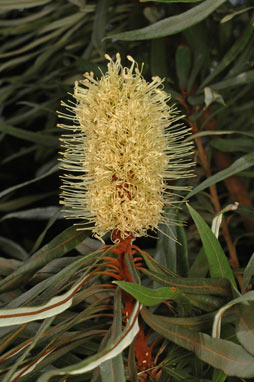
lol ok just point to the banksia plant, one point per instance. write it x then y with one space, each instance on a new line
125 146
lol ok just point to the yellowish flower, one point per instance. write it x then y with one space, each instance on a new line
124 147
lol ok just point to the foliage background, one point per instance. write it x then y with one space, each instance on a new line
45 46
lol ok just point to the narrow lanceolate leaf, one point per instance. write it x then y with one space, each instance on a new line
40 213
239 165
59 280
182 251
14 4
245 328
113 369
183 64
217 319
197 39
100 23
219 376
171 1
150 297
197 323
234 144
200 266
27 314
248 272
13 249
28 369
15 204
173 24
241 79
218 263
39 138
201 285
20 361
7 191
61 244
115 348
221 354
230 56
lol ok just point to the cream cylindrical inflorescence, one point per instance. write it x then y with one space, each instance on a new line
122 150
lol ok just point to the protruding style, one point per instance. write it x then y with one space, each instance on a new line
124 147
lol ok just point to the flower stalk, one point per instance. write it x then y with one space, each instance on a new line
124 149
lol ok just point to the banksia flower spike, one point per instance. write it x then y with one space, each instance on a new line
124 147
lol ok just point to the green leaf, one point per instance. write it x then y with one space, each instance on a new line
39 138
248 272
13 249
16 4
183 64
218 263
20 153
239 165
61 244
113 369
115 348
55 306
62 23
40 213
99 25
249 296
198 41
155 266
246 210
166 251
158 58
230 56
241 79
200 266
171 1
245 328
40 238
150 297
171 25
248 174
21 360
197 323
233 145
182 251
17 61
7 191
219 376
131 268
32 45
21 202
207 286
32 17
219 132
206 302
242 62
132 365
221 354
8 265
48 287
